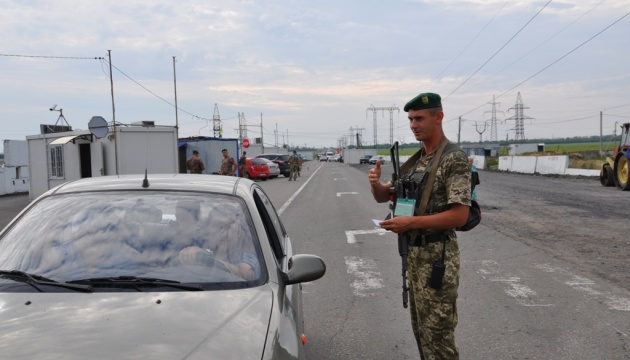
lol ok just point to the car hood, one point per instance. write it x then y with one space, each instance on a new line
229 324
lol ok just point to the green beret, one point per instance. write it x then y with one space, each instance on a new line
424 101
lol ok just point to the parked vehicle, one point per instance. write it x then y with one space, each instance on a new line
374 158
158 267
274 169
257 169
281 159
365 159
616 170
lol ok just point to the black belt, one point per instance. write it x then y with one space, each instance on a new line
430 238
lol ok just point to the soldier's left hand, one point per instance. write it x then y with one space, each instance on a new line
398 224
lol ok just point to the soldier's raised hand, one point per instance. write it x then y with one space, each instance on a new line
375 174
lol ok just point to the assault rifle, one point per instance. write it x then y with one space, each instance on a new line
400 190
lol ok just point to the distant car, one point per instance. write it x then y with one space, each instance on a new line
323 158
163 267
274 169
281 159
365 159
257 169
374 158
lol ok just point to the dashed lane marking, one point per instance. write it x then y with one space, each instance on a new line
347 193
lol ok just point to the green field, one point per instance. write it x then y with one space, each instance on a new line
549 148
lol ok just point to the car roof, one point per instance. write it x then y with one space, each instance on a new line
170 182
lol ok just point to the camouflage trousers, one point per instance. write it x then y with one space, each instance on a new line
294 172
434 312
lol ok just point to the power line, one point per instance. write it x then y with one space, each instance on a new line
53 57
501 48
550 65
537 47
473 39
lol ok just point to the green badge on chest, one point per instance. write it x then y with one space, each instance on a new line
404 207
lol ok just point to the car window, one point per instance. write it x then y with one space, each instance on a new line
273 226
259 162
200 238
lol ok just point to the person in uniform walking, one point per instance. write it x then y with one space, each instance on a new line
194 164
293 165
299 161
242 164
228 165
432 234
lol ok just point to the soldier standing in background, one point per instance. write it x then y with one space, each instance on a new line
433 239
242 163
228 165
293 164
299 164
194 163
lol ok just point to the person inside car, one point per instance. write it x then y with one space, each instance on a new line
230 243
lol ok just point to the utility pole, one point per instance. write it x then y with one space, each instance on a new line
262 143
519 117
391 110
493 119
459 131
354 134
111 81
176 108
601 147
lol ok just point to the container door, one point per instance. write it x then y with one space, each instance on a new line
96 149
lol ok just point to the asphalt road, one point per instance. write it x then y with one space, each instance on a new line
545 276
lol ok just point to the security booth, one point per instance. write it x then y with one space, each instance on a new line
59 157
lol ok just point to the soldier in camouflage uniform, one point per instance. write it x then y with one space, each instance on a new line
293 164
433 311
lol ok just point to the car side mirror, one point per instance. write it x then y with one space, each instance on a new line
305 268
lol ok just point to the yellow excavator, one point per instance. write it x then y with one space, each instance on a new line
615 170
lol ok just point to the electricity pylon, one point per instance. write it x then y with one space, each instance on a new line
391 110
519 117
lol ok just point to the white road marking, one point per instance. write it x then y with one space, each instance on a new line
351 234
367 278
335 179
523 294
588 286
347 193
286 204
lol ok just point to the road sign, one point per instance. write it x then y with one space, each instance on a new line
338 150
246 143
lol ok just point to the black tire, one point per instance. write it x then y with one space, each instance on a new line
622 165
607 176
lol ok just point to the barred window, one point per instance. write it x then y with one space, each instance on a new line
55 163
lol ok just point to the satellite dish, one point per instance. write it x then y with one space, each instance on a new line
98 126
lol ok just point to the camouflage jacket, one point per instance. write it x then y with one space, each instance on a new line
451 185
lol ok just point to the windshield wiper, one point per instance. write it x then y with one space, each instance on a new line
135 282
34 280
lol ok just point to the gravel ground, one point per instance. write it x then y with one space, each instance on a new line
572 218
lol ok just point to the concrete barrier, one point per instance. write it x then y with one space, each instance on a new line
524 164
581 172
542 165
505 163
552 164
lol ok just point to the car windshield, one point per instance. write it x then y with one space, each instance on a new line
86 238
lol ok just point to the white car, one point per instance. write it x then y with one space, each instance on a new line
274 169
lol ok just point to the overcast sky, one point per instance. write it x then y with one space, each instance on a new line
312 69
